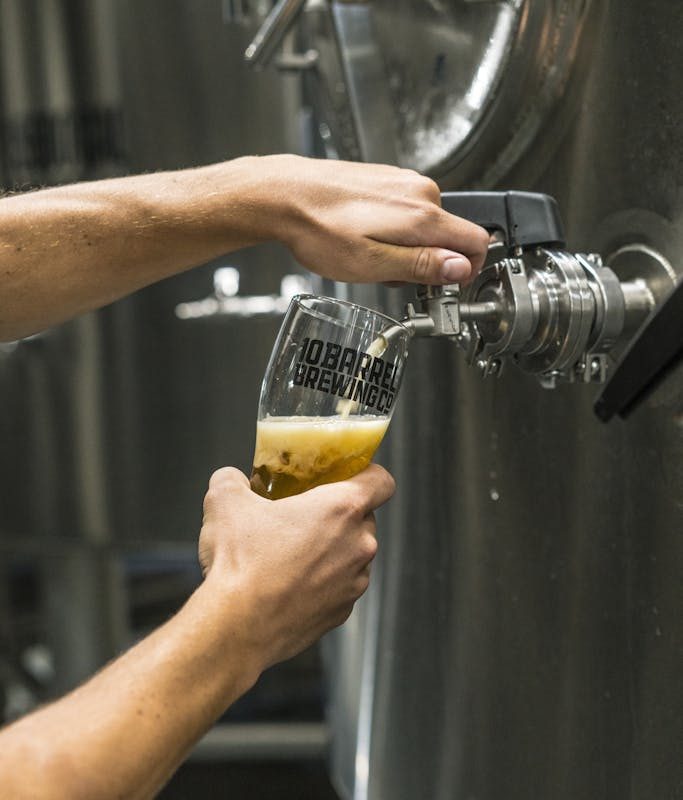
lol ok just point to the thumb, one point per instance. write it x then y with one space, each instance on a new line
431 265
228 478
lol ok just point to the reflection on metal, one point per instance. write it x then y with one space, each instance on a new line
245 12
431 130
263 742
225 300
85 611
469 83
636 261
366 84
351 659
652 356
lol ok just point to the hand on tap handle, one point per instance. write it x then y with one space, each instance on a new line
382 223
521 219
73 248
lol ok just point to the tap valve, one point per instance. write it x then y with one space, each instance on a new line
553 313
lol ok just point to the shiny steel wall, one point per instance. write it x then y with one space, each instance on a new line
529 639
112 424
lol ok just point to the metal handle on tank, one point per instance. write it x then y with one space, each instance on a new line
227 302
273 30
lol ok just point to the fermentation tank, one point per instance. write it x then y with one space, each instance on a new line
112 423
522 634
521 637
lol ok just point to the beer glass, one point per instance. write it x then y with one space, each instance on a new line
327 396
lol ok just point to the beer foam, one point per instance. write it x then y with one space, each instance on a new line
297 453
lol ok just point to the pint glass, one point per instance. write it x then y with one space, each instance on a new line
327 396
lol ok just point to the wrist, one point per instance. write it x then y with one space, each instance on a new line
259 618
277 191
222 611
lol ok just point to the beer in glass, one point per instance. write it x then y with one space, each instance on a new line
327 396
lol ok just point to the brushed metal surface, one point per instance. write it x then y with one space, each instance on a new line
112 424
529 639
460 88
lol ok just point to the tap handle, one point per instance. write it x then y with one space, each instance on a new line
271 33
525 219
654 352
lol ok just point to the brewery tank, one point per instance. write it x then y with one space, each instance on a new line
113 423
128 409
522 634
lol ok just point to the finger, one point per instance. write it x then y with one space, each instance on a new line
371 488
430 265
425 248
360 495
367 544
456 233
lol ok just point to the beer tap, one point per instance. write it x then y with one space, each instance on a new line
553 313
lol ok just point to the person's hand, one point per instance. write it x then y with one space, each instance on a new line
372 223
295 566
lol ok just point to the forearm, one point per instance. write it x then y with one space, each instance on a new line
124 732
70 249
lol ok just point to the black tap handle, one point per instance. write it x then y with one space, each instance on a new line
526 219
654 352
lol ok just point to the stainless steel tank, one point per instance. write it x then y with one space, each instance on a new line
147 396
112 424
522 637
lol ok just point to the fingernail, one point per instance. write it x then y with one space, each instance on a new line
455 268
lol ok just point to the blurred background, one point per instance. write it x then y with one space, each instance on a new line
522 636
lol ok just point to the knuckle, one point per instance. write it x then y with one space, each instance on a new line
222 483
422 265
357 504
421 182
223 477
344 613
361 585
367 547
374 256
427 216
388 481
410 175
351 501
210 499
213 495
431 189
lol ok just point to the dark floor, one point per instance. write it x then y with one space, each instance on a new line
252 780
